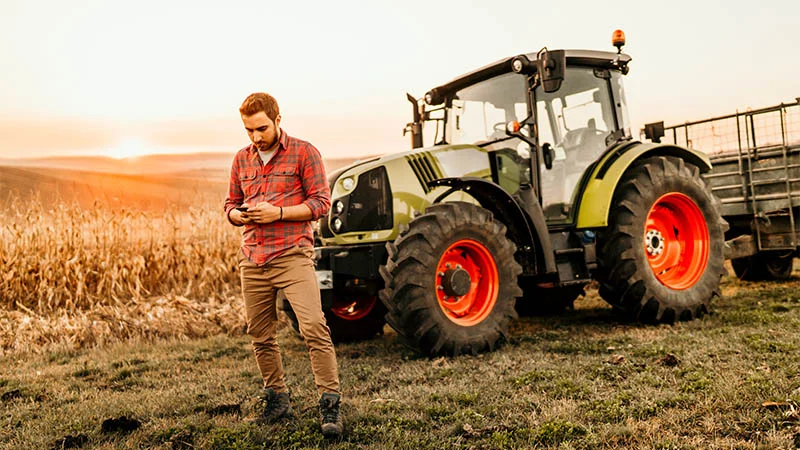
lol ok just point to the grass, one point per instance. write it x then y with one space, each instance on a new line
580 380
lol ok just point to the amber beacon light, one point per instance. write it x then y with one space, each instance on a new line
618 39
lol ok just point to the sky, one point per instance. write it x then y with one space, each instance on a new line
120 78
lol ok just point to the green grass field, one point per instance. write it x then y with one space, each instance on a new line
580 380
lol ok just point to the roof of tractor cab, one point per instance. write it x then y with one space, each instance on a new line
592 58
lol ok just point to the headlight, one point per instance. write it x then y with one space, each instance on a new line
516 65
348 183
337 224
338 206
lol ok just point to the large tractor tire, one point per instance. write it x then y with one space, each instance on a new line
538 301
451 281
764 266
351 318
661 256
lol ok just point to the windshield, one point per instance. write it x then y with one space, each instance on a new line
478 114
579 112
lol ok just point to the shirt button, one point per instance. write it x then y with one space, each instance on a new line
263 176
260 243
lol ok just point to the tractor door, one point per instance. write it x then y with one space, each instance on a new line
578 121
478 115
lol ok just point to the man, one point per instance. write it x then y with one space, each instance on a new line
277 187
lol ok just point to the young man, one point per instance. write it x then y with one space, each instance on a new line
277 188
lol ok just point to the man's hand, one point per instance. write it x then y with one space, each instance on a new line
264 212
241 216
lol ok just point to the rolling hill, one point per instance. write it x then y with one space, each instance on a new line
147 182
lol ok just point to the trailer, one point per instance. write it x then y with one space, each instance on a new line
755 158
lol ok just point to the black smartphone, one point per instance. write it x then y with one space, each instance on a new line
242 208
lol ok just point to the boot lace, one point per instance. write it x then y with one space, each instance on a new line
330 410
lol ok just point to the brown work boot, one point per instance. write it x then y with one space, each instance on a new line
329 416
273 406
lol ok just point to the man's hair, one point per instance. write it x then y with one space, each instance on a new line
260 101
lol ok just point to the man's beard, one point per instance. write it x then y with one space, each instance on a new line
264 146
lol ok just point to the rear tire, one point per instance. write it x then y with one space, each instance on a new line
661 255
451 281
764 266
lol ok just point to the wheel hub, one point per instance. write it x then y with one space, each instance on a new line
456 282
654 242
676 241
466 282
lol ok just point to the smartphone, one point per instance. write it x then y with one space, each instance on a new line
242 208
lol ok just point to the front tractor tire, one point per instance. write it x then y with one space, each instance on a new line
451 281
661 256
352 317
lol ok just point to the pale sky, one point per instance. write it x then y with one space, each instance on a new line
105 77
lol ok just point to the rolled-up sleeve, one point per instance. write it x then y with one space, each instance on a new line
315 183
235 194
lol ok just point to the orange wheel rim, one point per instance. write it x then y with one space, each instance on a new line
353 308
467 282
676 241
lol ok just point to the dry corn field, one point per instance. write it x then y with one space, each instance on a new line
75 276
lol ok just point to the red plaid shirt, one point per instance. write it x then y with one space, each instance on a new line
295 175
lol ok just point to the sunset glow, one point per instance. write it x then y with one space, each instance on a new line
176 72
129 148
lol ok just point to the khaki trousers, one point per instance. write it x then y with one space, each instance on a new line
292 271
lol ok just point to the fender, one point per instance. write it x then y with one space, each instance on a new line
526 227
598 192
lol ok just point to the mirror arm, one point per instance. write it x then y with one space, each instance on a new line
521 136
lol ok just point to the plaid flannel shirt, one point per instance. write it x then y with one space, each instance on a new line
295 175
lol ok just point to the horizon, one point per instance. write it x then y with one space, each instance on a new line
82 79
152 155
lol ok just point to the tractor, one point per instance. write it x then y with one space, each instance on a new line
523 185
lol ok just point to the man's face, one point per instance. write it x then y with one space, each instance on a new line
263 132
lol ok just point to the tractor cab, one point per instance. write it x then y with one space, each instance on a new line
544 118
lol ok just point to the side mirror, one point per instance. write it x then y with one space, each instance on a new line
548 155
551 66
654 131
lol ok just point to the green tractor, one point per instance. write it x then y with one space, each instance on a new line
531 187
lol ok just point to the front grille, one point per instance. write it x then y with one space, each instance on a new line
369 207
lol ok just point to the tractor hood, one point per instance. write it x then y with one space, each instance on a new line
369 198
440 158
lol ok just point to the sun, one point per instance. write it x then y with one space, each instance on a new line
128 148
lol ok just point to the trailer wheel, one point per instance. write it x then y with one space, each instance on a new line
536 301
352 318
764 266
661 256
451 281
